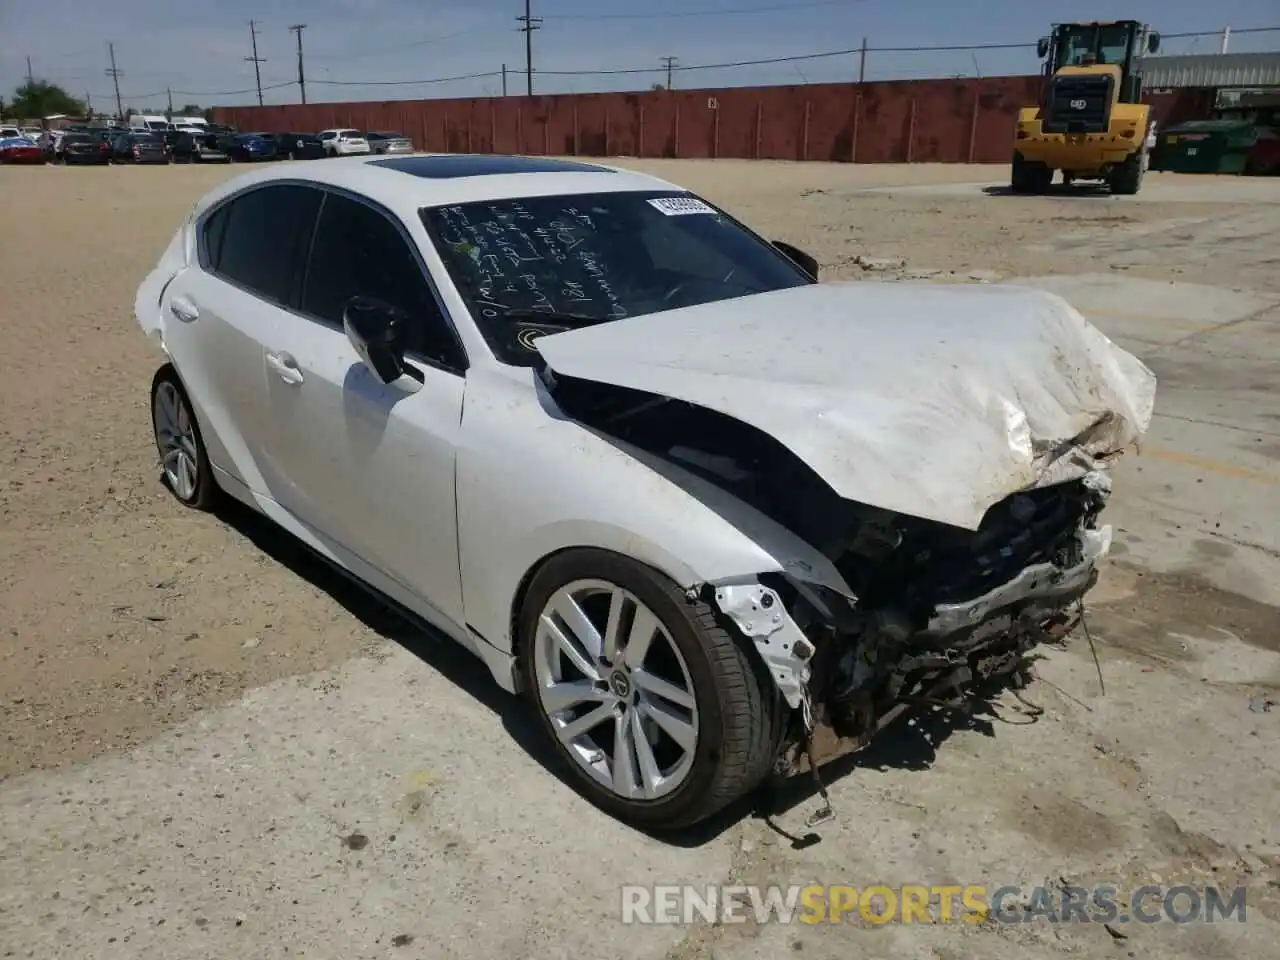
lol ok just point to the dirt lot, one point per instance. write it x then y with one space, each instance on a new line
128 621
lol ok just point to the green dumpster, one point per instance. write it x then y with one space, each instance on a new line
1205 146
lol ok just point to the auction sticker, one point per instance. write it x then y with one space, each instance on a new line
680 206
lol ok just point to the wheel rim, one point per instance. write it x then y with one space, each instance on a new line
616 689
176 440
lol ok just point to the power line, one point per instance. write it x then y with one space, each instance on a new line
722 12
669 68
529 23
413 83
256 60
297 28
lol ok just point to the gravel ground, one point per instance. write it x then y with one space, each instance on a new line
129 623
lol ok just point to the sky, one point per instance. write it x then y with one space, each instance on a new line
386 49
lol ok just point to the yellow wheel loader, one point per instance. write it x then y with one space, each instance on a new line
1091 122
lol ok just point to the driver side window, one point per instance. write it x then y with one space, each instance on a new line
358 251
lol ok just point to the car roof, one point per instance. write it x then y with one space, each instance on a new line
406 184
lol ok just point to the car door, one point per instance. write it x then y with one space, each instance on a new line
367 465
223 308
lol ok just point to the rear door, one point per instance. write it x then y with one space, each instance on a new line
367 465
225 306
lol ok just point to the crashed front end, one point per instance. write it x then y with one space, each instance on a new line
939 614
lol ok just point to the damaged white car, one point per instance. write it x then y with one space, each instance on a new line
698 507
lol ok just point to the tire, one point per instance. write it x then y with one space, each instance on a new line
1028 176
739 713
1126 179
202 493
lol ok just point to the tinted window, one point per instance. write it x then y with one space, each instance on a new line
542 264
266 231
359 252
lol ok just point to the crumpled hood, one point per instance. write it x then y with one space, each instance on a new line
930 400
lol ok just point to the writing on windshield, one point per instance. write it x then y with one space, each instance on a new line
530 266
513 261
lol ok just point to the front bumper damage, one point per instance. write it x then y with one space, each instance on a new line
848 669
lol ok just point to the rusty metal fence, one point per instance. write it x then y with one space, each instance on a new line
913 121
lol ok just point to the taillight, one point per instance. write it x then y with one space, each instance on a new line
103 147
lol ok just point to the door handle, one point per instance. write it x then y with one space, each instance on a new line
184 309
285 366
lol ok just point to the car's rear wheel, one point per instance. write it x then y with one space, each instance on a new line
659 712
184 462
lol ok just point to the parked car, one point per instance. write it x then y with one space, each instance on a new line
385 142
249 147
32 133
82 148
688 500
139 148
9 132
300 146
343 142
20 150
198 148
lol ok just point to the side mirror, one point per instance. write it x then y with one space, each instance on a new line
1042 47
378 332
1153 42
797 256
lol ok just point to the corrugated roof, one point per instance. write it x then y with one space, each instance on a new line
1213 70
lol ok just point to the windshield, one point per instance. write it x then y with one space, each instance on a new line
1089 43
546 264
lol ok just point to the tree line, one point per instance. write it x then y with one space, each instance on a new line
40 98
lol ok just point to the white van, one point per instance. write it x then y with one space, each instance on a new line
190 122
147 123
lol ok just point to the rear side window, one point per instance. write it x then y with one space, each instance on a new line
257 240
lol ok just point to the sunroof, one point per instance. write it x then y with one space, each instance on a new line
482 165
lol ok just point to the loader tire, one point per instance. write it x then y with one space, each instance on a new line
1126 179
1028 176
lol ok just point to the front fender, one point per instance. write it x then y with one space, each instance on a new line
532 483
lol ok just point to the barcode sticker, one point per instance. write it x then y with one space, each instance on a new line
680 206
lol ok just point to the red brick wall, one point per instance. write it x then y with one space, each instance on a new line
948 121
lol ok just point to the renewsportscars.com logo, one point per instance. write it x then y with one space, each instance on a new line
918 903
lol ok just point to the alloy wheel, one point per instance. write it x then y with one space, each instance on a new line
616 689
176 441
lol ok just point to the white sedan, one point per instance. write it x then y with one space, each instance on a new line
696 506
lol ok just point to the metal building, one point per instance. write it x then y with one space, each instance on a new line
1214 70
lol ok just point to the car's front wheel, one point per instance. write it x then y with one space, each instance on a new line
658 710
184 462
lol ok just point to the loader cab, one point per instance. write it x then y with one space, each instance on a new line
1090 67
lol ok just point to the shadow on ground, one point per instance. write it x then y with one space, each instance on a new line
1097 190
909 744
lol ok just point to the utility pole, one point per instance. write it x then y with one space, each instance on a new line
670 62
504 79
1226 41
169 93
529 23
297 28
114 74
255 59
862 61
31 77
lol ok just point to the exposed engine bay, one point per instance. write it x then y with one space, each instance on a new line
938 612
